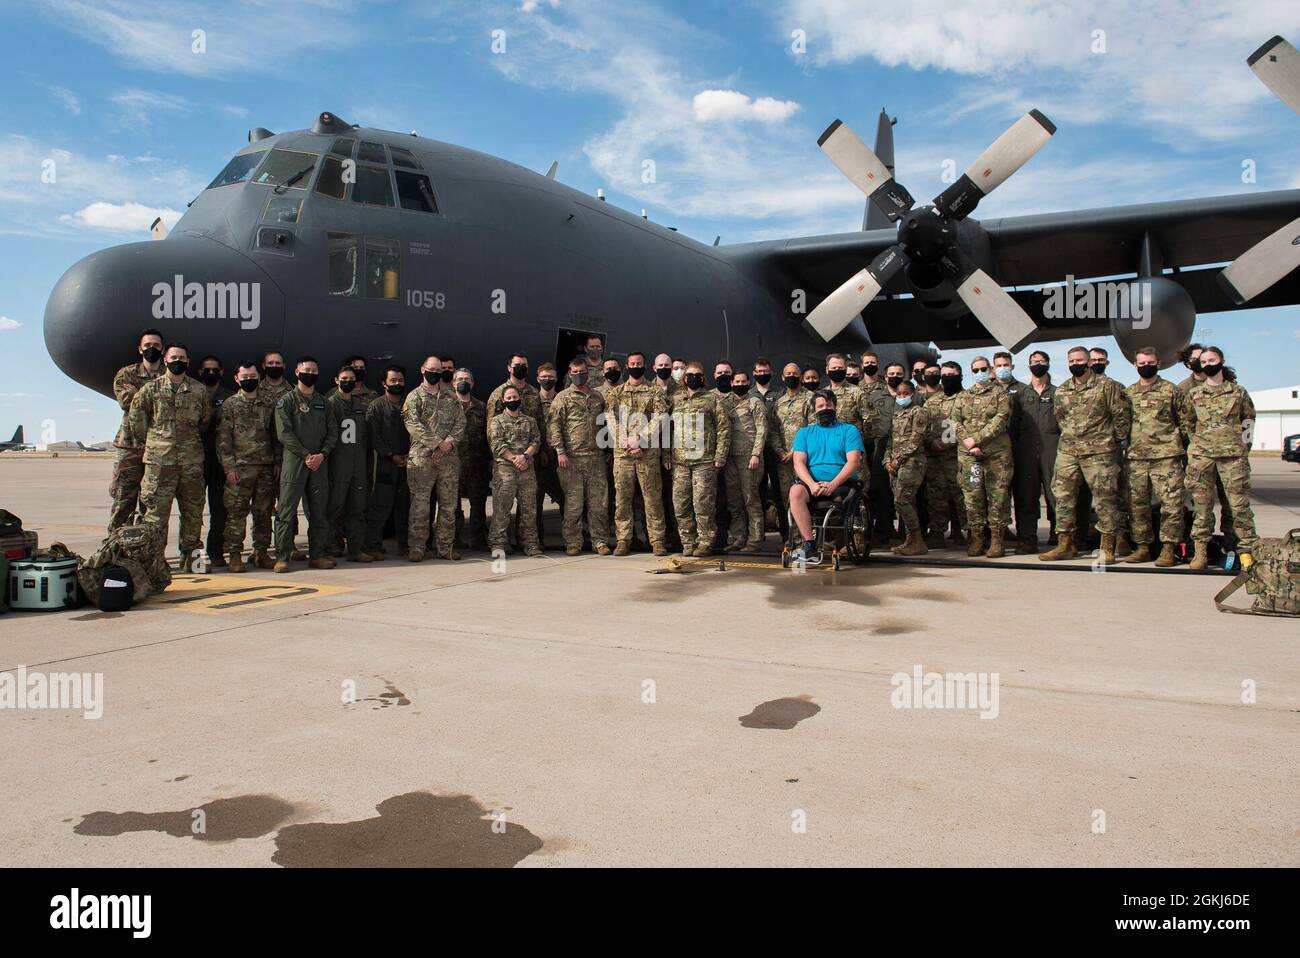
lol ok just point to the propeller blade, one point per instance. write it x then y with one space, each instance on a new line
1263 264
1277 63
837 310
856 161
1008 153
991 305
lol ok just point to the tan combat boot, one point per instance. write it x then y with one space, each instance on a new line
602 548
236 563
262 559
913 545
324 562
974 543
572 550
1123 545
1201 560
995 550
1166 556
282 565
1064 548
662 550
623 548
1108 547
1141 553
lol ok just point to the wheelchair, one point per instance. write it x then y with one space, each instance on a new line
841 528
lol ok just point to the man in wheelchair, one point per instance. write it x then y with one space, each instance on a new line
827 457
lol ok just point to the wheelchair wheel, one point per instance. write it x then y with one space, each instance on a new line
785 557
860 534
835 559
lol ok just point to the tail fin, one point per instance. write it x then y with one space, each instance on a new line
18 436
873 218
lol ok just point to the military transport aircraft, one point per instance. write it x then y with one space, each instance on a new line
15 444
340 239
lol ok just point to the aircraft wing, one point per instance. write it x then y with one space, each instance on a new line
1194 238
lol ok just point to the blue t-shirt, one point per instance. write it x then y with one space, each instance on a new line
827 448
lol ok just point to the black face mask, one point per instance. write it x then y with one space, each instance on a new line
932 379
918 375
547 384
1038 369
248 385
854 379
635 372
811 385
151 354
723 383
1078 369
579 378
210 376
1148 371
870 369
762 378
740 390
462 387
308 379
431 376
513 404
836 375
1098 368
1195 365
347 386
893 381
951 384
694 380
826 417
393 389
611 376
664 372
273 373
360 373
519 370
177 367
1212 369
791 382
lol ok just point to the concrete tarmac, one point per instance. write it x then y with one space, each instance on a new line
579 711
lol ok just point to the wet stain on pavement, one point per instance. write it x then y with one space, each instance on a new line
391 695
180 778
782 714
793 591
415 830
892 630
223 820
96 616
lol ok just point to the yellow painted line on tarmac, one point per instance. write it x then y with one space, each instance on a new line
215 594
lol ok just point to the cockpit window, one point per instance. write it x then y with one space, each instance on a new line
373 186
287 168
371 153
404 158
237 170
343 146
415 192
331 181
282 209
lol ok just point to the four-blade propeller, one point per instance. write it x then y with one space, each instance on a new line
924 234
1277 63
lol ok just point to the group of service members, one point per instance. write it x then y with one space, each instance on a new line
703 466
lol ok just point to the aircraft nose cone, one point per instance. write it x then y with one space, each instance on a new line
99 306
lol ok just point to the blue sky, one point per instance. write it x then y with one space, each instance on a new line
715 93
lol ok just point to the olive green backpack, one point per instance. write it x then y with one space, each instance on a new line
137 549
1273 578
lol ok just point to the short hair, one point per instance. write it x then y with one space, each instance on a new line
636 352
510 386
851 363
951 364
611 359
544 367
395 368
1148 351
351 359
266 356
932 364
1039 352
724 361
149 332
741 372
466 370
345 368
695 364
1076 349
577 361
839 356
872 353
210 358
678 359
514 356
1099 349
811 369
1003 354
247 364
827 395
305 359
170 346
976 359
761 361
591 336
449 359
893 365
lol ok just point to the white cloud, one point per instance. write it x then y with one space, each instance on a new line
67 98
6 323
731 105
120 217
140 106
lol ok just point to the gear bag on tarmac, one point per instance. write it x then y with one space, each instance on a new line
135 550
1273 578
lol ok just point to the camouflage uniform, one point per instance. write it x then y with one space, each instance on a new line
274 392
475 473
944 499
701 443
214 477
389 495
171 418
128 470
1225 508
431 418
855 406
749 424
791 414
909 437
1222 416
1161 428
1091 415
878 416
573 424
548 478
349 474
246 445
983 413
1020 452
305 426
509 434
634 410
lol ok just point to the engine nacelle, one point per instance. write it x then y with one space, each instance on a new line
1160 313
